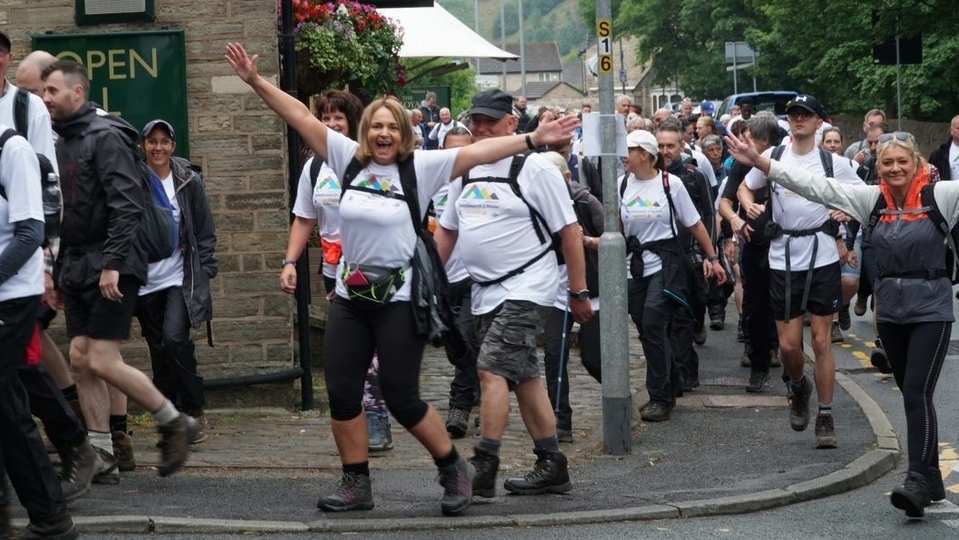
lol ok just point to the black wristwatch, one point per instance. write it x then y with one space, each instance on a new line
288 261
581 295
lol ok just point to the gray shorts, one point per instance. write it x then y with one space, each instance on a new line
507 337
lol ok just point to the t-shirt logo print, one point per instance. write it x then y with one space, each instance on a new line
377 184
642 203
480 193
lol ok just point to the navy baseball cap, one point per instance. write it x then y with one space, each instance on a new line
805 101
152 124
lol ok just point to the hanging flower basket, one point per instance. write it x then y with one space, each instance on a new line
346 45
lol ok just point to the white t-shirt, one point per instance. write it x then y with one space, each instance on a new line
496 234
703 164
792 211
320 203
954 160
168 272
455 269
644 210
438 133
376 229
20 176
39 130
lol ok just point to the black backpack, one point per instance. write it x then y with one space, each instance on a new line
50 188
159 231
928 199
50 182
552 241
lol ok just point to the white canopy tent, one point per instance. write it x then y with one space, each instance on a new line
432 32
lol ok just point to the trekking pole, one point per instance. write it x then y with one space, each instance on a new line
562 355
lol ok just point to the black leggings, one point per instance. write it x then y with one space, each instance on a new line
916 353
352 334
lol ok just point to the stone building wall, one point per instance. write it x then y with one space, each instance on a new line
241 146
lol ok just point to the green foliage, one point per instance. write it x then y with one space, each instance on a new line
823 47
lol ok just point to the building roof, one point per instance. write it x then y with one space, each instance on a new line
541 57
536 90
573 75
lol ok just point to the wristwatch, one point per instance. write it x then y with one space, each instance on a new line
581 295
288 261
713 258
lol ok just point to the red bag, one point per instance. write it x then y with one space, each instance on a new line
34 348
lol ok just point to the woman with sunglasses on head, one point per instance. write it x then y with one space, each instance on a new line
914 309
372 309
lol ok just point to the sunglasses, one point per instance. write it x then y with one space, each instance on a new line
898 135
800 114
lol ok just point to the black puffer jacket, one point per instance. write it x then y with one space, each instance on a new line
198 238
940 158
102 200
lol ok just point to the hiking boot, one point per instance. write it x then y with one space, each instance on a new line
716 323
655 412
199 429
774 359
123 451
78 465
914 495
564 435
937 491
699 336
457 422
860 308
485 466
757 381
175 438
381 438
844 320
457 482
353 492
690 384
107 472
835 335
549 475
5 530
740 334
799 404
58 527
879 360
825 432
745 361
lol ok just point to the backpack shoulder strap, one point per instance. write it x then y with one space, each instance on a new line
622 185
778 152
876 212
672 206
352 170
4 137
20 105
826 158
315 167
928 200
539 222
410 193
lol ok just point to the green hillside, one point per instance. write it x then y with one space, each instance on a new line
546 20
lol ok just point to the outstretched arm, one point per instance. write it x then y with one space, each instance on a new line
496 148
287 107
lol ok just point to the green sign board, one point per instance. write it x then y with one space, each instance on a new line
138 76
414 95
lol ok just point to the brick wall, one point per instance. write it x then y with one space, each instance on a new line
240 144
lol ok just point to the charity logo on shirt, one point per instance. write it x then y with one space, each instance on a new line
376 192
327 191
640 208
479 201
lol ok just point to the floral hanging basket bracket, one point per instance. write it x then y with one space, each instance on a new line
346 45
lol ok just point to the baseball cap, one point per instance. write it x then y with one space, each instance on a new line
805 101
5 40
707 107
152 124
493 103
643 139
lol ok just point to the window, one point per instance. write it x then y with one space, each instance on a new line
114 11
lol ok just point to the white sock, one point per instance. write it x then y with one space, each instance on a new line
101 440
166 413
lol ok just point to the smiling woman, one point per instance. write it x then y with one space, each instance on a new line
372 306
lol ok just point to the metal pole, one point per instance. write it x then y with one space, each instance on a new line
898 81
522 49
735 68
502 35
754 72
614 343
288 83
476 29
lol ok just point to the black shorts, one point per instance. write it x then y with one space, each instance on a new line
45 315
825 292
89 314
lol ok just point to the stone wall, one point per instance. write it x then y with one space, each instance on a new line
241 146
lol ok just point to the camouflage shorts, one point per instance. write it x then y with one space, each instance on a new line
507 337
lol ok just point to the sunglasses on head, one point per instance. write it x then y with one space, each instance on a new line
898 135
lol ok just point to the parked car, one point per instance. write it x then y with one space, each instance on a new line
772 100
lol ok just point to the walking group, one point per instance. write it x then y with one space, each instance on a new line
490 233
73 195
